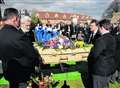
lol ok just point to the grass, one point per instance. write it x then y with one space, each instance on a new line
67 76
3 81
72 83
73 78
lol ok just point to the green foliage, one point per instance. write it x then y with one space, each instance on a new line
35 19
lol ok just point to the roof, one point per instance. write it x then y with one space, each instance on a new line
61 16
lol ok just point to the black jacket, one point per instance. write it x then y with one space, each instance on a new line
74 30
117 54
30 35
18 54
101 60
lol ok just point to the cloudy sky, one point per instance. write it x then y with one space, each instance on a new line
93 8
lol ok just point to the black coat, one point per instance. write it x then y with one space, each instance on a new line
117 55
74 29
18 54
30 35
101 59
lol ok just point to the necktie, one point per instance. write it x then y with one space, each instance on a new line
91 37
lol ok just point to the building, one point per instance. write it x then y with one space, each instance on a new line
56 17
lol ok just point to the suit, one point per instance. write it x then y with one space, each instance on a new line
74 31
93 37
18 55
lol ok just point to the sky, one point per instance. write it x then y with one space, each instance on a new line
94 8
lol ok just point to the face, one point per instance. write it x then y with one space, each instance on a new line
93 27
26 26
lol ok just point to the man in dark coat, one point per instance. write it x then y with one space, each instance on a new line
95 34
117 55
94 31
74 28
101 60
19 57
25 25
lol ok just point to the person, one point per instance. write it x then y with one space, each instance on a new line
25 23
117 56
1 71
25 27
101 60
74 28
95 34
18 55
1 23
94 31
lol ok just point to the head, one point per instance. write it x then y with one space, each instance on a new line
93 25
25 23
104 26
11 17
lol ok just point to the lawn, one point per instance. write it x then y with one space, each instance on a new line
74 78
79 84
72 84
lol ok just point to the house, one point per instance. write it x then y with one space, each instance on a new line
56 17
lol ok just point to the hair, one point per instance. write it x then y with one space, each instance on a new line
25 18
94 21
105 23
10 12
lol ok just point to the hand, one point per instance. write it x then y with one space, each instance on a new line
37 69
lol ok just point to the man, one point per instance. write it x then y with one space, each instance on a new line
95 34
101 61
94 31
74 28
117 56
18 55
25 26
25 23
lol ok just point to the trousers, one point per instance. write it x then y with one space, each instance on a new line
101 81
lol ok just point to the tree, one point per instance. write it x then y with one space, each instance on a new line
114 7
35 19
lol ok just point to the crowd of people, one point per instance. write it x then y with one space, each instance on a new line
19 57
72 31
